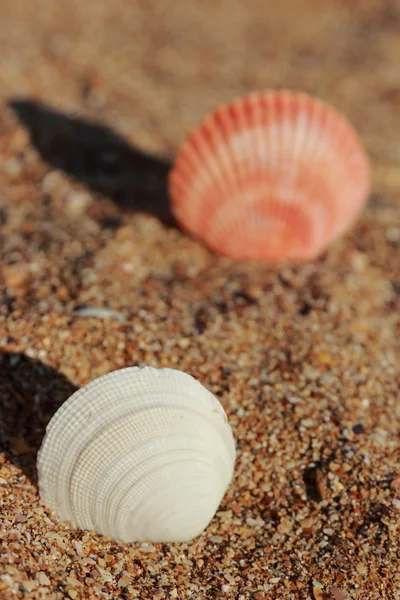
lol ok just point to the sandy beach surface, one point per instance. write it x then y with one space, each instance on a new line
95 99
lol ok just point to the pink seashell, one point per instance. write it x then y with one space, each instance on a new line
272 176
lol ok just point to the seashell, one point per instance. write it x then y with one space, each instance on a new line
271 176
139 454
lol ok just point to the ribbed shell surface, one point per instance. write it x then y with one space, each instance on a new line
272 176
140 454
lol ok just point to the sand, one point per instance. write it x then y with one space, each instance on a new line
95 98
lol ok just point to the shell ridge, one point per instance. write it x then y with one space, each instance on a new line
225 451
154 440
125 467
96 433
288 150
147 496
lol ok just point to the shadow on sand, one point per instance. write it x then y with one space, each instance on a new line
30 394
99 158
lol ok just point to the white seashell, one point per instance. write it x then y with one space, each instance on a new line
139 454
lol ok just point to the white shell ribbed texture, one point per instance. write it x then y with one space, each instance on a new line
140 454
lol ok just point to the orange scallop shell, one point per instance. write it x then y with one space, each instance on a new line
272 176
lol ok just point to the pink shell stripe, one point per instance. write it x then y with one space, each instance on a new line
272 176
